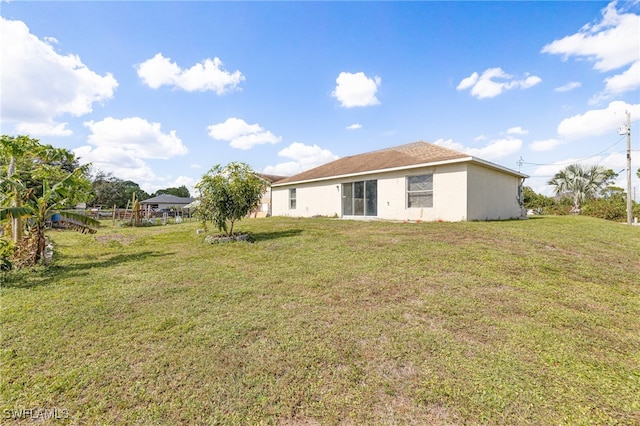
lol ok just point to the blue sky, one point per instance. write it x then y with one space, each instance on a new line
159 92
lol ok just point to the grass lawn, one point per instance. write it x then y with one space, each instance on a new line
327 321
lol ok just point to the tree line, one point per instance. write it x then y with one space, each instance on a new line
39 181
581 189
108 191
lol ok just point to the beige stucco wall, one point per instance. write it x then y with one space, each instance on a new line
449 187
325 198
312 199
461 191
492 195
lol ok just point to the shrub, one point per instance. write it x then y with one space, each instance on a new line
606 208
6 251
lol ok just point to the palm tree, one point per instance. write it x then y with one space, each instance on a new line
580 183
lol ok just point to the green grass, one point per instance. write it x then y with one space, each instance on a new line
331 322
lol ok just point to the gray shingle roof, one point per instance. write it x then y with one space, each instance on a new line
270 178
167 199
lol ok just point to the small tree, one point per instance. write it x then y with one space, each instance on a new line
227 194
535 201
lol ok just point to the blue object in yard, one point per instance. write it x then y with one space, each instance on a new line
55 218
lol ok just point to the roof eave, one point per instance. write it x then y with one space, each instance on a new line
413 166
498 167
369 172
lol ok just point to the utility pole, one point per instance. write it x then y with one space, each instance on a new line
625 129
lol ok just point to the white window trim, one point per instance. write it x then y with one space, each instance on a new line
427 191
294 192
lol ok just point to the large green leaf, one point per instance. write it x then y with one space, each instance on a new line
5 212
78 221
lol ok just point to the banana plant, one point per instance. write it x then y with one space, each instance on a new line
14 148
52 201
39 208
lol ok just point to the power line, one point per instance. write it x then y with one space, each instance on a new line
521 162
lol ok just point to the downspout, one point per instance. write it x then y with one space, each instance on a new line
523 211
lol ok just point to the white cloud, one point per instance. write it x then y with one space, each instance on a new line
136 136
468 82
240 134
627 81
517 131
189 182
569 86
597 122
49 128
207 75
121 146
289 168
494 150
545 145
30 98
357 89
488 85
498 149
116 160
611 44
304 157
354 126
195 166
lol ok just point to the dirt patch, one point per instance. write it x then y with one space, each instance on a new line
115 238
216 239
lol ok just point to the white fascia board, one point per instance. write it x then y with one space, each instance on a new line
498 167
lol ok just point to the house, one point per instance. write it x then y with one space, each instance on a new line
264 210
417 181
166 202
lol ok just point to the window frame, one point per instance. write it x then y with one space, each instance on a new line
409 192
293 198
365 203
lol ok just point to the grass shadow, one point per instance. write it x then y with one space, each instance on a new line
40 276
266 236
113 260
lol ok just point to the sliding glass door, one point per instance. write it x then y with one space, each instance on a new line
360 198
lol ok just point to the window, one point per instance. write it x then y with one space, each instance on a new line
360 198
292 198
420 191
